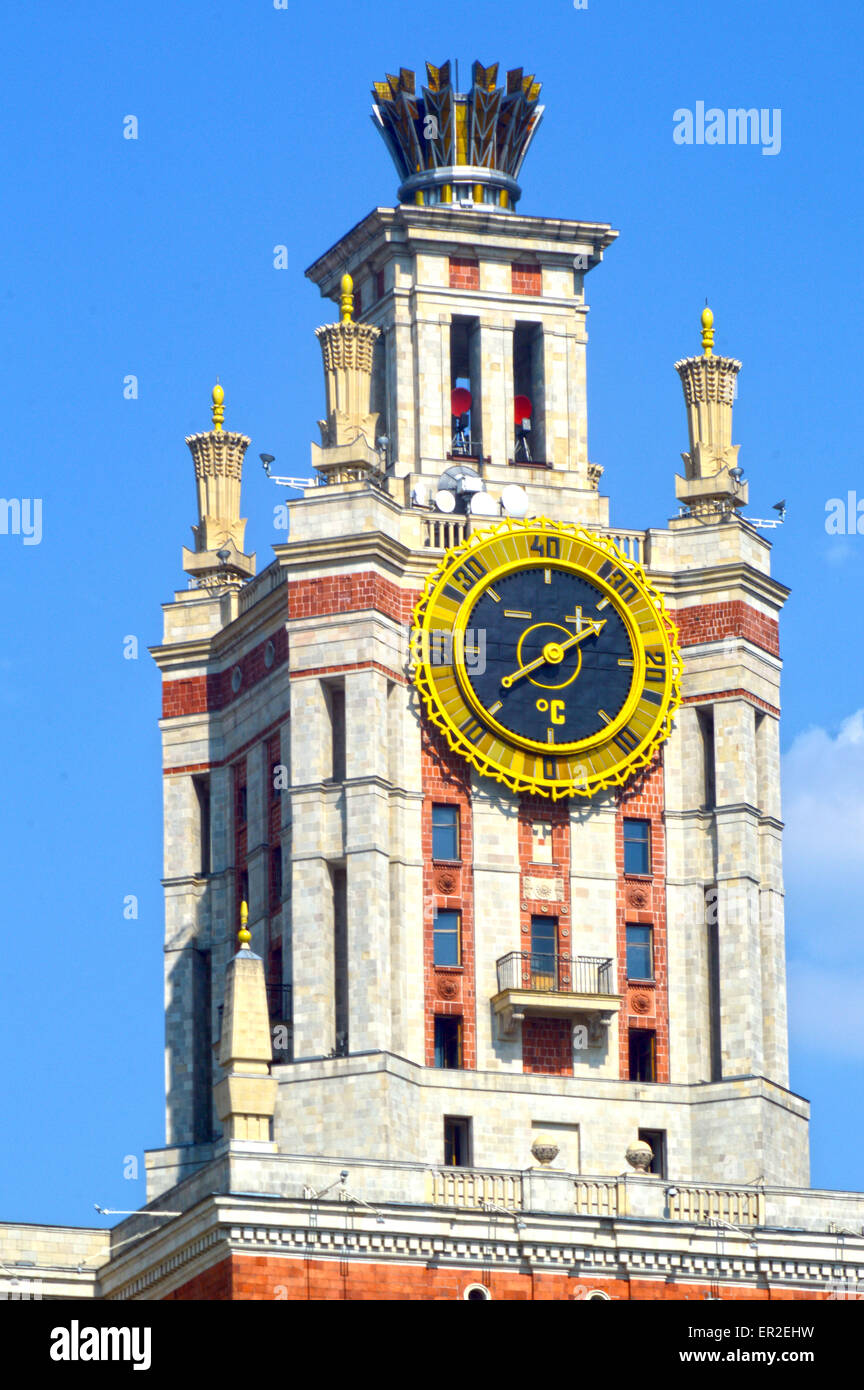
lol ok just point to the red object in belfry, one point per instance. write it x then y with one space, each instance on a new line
460 400
522 409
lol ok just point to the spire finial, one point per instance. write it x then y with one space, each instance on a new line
244 936
218 405
707 332
347 304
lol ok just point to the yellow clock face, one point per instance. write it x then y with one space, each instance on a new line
546 658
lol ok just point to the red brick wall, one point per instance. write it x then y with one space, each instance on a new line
262 1278
643 899
446 781
240 834
547 1046
711 622
213 1286
307 598
526 279
557 1059
715 695
464 273
349 593
274 820
213 692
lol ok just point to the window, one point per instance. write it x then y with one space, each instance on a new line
379 284
274 758
643 1066
457 1142
640 953
447 937
477 1293
243 882
202 793
445 832
336 696
528 393
341 1002
544 952
448 1042
705 725
465 376
637 846
241 805
275 878
202 1047
657 1139
541 842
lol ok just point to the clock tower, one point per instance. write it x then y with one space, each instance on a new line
498 781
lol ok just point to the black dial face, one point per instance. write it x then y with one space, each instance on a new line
558 663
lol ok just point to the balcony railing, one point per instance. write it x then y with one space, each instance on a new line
440 532
534 970
466 1187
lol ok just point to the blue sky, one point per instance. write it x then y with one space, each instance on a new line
154 257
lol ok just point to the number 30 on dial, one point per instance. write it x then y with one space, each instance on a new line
546 658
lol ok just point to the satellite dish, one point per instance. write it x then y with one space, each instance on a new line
460 400
461 477
514 500
445 501
482 504
522 409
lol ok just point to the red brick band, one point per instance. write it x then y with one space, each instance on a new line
711 622
736 694
209 693
464 273
265 1278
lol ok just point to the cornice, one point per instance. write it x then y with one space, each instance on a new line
698 583
421 226
427 1236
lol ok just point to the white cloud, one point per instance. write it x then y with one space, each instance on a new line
823 803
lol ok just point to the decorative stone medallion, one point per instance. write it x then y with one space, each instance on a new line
641 1003
448 987
446 881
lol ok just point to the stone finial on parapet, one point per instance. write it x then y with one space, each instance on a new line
246 1095
712 481
218 560
348 452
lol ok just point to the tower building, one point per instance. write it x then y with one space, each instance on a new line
492 786
462 961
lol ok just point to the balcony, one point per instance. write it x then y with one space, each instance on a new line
534 984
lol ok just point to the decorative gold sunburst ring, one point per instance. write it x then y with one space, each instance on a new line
547 658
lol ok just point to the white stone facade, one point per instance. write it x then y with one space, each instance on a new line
350 927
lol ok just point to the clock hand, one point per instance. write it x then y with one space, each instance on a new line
590 629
